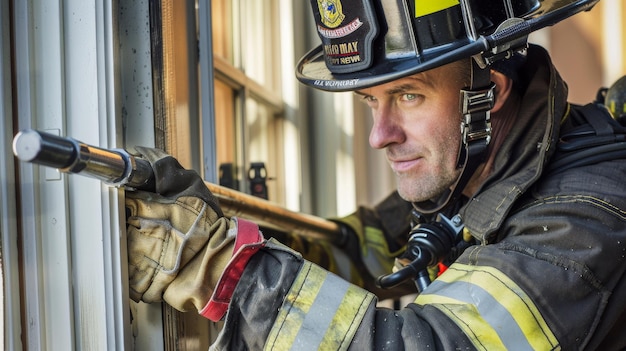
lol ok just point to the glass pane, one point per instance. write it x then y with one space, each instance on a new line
260 42
261 147
222 20
225 134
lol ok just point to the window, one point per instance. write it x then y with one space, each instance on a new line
248 99
246 122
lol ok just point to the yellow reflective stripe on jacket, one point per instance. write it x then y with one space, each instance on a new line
375 252
490 309
320 312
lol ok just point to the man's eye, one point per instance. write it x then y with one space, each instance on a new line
369 98
409 97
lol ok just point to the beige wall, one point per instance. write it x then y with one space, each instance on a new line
589 49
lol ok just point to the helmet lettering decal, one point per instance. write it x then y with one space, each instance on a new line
343 53
336 83
427 7
331 12
340 32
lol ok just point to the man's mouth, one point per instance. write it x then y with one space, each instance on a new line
404 165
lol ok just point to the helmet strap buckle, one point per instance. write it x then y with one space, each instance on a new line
475 103
475 107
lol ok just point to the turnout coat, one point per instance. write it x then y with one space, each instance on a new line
546 268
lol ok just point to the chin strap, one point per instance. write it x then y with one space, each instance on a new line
475 105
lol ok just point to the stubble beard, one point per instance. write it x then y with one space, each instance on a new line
418 188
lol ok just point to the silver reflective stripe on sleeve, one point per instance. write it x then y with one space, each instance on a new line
320 312
490 309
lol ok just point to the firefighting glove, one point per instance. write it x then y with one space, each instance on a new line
178 239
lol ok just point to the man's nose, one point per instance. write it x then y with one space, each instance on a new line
386 129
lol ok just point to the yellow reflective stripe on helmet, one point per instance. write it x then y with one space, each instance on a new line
490 308
427 7
320 312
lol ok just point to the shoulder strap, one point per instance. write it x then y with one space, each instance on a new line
598 138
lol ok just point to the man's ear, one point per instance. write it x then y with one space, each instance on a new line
504 85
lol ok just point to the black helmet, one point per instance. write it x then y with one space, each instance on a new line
367 43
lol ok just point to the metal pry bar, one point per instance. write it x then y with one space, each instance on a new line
117 167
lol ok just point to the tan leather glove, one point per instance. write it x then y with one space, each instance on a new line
178 239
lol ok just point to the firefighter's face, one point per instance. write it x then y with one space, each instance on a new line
417 122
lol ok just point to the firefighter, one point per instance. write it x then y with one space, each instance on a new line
517 218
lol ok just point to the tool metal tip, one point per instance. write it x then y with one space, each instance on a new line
27 145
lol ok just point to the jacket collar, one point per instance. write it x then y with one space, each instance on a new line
528 147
